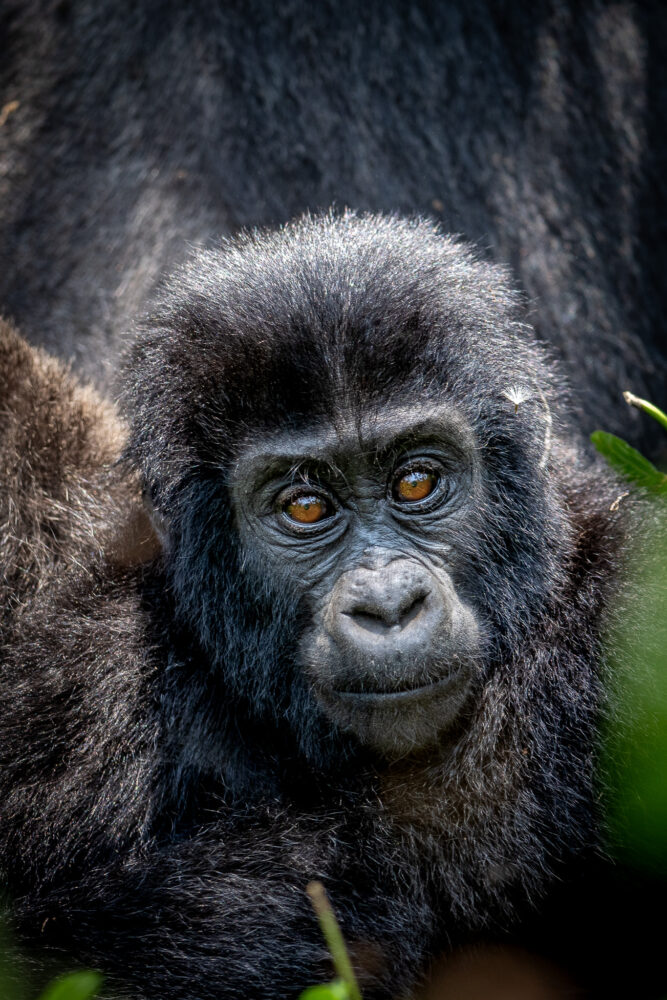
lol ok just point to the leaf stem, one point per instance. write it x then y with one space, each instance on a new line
333 937
643 404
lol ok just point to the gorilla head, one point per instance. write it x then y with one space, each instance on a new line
359 521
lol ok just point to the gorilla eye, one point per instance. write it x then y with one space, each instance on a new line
414 485
307 508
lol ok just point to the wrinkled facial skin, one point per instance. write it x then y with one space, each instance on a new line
366 522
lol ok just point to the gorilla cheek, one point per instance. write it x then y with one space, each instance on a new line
392 655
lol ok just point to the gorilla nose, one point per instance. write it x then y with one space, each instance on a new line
387 611
396 604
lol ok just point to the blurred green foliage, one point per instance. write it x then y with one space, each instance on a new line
634 749
82 985
634 755
15 977
629 462
625 459
336 990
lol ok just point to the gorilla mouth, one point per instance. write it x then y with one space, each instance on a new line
393 697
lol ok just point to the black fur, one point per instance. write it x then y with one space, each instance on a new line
535 130
169 782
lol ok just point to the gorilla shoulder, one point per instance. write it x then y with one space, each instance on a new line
61 501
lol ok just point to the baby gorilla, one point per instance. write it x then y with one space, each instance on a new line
356 639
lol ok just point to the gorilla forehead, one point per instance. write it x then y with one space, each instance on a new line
319 320
364 433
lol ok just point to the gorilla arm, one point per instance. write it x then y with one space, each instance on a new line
61 500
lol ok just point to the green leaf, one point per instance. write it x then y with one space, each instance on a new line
629 462
76 986
337 990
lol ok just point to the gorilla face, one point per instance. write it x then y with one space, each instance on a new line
363 518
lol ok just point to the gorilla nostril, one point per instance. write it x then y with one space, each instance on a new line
375 623
413 610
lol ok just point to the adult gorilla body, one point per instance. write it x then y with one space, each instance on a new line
325 673
534 130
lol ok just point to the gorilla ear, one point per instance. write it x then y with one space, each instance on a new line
136 541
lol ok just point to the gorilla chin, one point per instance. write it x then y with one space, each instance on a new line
396 723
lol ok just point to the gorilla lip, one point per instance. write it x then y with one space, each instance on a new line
394 697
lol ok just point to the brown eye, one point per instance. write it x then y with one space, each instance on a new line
417 484
307 509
